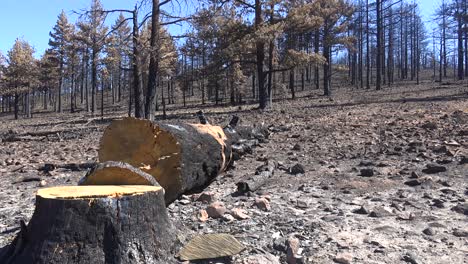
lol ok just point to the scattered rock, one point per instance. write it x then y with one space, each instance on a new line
412 258
414 175
297 147
429 231
343 258
216 210
42 183
460 232
378 212
202 215
413 183
434 168
438 203
429 126
367 172
262 204
461 208
280 244
261 259
228 218
362 210
292 250
297 169
239 214
210 246
207 197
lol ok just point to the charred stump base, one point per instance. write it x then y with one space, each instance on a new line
95 224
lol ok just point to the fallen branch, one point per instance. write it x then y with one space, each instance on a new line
255 182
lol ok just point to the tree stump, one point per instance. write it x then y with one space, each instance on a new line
181 157
95 224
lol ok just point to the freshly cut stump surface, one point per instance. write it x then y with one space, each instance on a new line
95 224
181 157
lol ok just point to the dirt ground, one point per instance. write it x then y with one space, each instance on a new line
385 175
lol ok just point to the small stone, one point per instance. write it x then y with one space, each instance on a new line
239 214
429 231
343 258
414 175
460 233
438 203
207 197
42 183
210 246
362 210
292 250
261 259
434 168
366 163
367 172
297 169
413 183
280 244
461 208
379 212
429 126
297 147
228 218
262 204
412 258
202 215
216 210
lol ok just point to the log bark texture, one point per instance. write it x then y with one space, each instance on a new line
95 224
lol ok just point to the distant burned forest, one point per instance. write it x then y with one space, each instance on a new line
232 52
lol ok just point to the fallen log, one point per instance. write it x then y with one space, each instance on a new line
95 224
181 157
255 182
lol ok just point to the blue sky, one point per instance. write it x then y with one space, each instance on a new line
33 19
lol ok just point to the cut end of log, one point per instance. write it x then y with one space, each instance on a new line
117 173
87 192
146 146
180 157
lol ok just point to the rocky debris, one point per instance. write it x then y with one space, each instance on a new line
262 204
297 169
296 147
239 214
379 212
207 197
216 209
367 172
203 215
413 183
429 231
362 210
292 250
211 246
461 208
412 258
460 232
343 258
261 259
42 183
434 168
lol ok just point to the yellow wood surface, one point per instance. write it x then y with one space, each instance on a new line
94 191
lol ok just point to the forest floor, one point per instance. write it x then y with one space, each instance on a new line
385 176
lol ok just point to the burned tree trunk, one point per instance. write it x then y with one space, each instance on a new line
95 224
181 157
